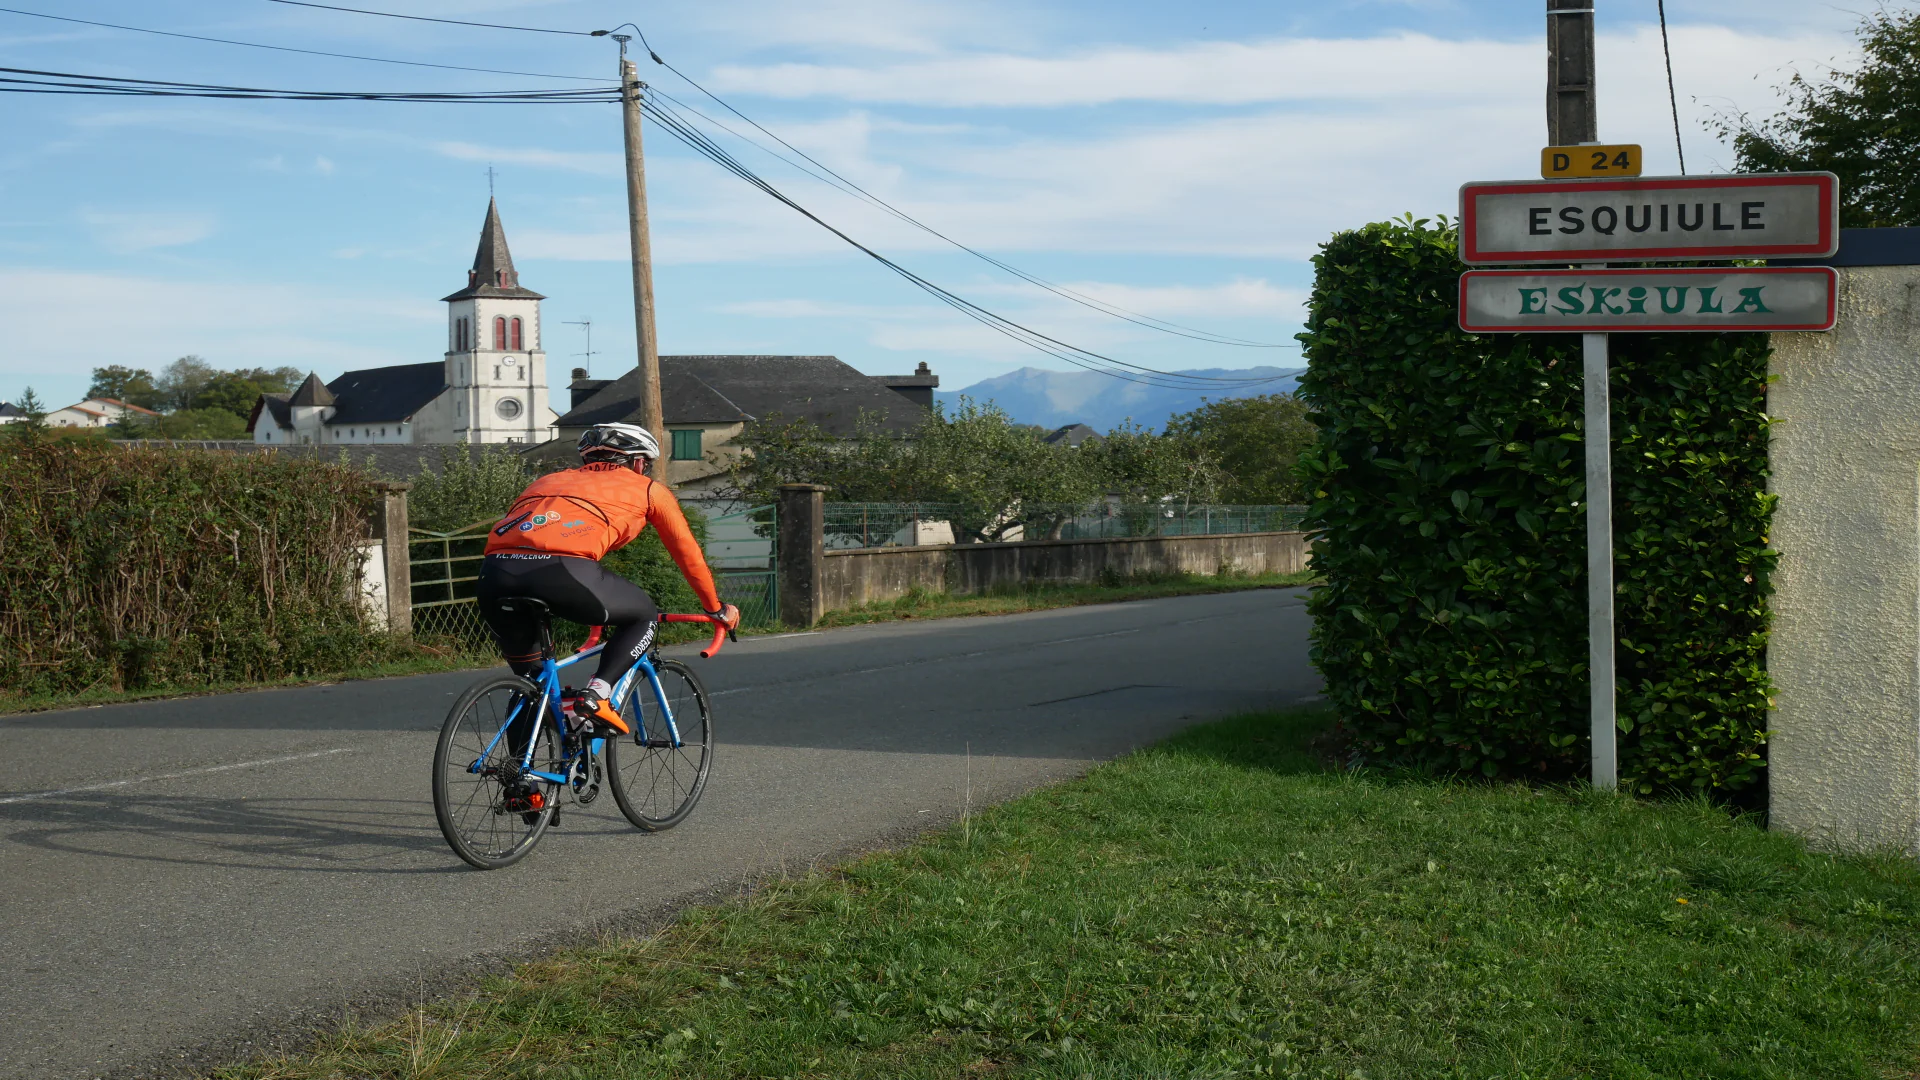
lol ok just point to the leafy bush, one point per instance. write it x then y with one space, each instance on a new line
467 488
1448 486
131 567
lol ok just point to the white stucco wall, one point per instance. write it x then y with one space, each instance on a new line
1844 758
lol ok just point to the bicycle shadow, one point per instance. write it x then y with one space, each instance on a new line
312 835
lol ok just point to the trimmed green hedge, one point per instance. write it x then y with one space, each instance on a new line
131 568
1447 487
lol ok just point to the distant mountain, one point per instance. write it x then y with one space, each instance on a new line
1053 398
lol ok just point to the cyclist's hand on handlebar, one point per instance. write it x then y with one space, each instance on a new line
728 616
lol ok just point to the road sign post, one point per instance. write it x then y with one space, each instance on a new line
1598 439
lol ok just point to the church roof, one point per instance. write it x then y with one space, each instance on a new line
312 392
731 389
493 274
386 395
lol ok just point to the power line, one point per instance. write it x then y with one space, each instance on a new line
1672 99
1072 354
424 18
29 81
288 48
852 188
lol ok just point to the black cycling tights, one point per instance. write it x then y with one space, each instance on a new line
573 588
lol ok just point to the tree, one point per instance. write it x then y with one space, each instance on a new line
131 385
183 381
1255 442
231 391
192 424
1863 125
32 425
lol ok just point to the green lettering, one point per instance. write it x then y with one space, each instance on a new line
1636 297
1750 301
1674 306
1570 298
1706 299
1528 300
1600 305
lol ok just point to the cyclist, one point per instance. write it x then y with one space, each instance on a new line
548 547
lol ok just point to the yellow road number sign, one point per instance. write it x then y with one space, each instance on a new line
1572 162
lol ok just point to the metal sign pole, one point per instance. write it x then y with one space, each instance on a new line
1599 443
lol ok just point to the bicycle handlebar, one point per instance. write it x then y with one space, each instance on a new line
721 632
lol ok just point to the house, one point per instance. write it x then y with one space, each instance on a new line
490 386
10 413
1071 436
95 412
709 400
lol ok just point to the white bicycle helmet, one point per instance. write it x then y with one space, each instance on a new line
625 440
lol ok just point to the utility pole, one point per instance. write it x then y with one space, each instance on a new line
1572 119
649 415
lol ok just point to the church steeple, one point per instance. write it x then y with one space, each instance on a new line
493 274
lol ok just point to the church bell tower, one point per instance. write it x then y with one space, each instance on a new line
496 371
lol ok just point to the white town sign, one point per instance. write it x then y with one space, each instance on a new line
1666 218
1678 298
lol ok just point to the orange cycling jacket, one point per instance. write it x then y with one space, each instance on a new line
589 511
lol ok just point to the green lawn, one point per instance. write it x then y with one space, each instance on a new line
1223 905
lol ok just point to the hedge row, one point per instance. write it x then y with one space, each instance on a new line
1448 487
126 568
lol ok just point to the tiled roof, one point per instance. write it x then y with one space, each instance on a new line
312 392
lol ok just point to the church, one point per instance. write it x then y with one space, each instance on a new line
491 387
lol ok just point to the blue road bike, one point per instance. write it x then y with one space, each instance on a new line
505 761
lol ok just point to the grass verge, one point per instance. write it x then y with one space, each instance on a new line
1222 905
922 604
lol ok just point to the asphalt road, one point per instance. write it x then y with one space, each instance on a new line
183 878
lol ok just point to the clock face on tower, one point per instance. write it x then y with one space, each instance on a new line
510 360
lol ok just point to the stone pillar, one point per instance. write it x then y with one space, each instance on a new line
802 553
390 528
1844 757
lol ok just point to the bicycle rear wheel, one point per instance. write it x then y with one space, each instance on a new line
655 782
475 775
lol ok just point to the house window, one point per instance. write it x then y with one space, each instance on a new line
686 445
500 332
516 335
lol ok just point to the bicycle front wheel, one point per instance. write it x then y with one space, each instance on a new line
483 802
655 782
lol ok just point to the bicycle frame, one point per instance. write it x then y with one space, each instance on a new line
548 680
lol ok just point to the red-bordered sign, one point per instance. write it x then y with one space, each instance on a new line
1755 215
1681 298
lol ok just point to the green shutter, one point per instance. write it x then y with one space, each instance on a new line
686 445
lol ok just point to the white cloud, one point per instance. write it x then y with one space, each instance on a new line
126 232
1240 297
571 161
65 324
901 26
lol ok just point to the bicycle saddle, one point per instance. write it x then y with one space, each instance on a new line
533 604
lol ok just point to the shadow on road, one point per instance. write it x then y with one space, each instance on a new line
312 835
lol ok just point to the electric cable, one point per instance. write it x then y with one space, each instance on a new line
31 81
1079 357
291 49
857 191
1673 100
424 18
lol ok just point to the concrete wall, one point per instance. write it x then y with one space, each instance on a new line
1845 653
866 575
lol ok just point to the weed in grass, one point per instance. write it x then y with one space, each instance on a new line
1222 905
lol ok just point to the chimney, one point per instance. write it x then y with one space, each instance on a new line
581 373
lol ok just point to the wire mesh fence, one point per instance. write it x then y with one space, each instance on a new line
446 569
870 525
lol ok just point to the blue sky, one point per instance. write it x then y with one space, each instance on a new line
1180 160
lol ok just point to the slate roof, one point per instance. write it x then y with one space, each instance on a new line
9 409
312 392
386 395
492 261
1071 435
724 389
